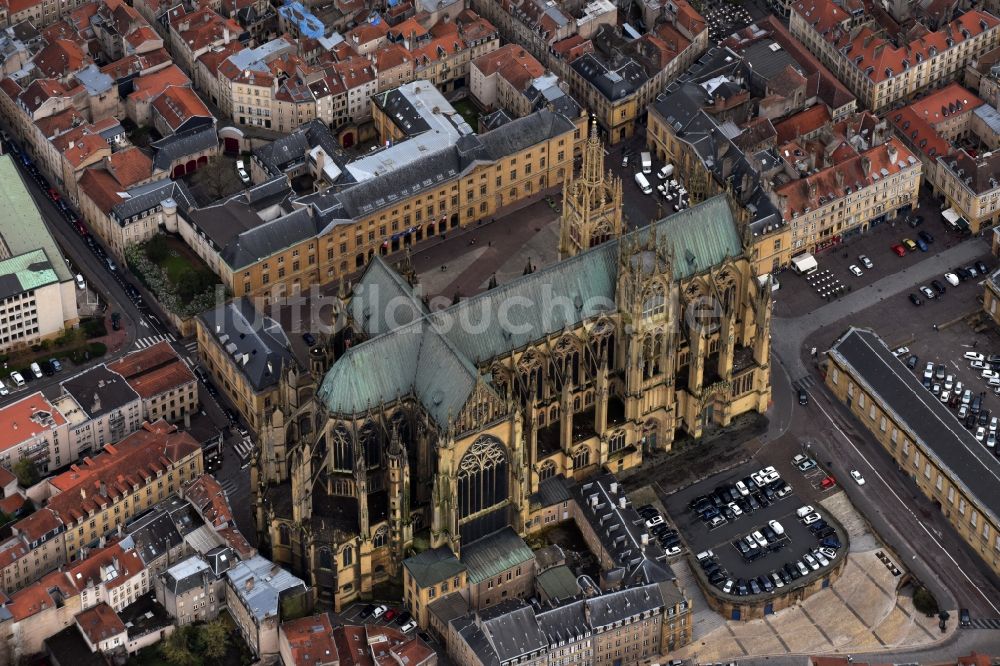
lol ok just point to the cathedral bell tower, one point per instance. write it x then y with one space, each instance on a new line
592 202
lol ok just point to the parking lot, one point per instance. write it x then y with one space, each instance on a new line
801 294
787 544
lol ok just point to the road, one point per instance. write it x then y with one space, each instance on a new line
143 325
905 520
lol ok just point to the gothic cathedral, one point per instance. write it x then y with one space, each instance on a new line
426 429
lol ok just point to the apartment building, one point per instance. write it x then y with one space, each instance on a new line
193 590
246 354
34 429
512 80
102 493
859 191
881 72
100 406
947 464
257 593
38 299
942 129
193 33
313 641
168 388
34 548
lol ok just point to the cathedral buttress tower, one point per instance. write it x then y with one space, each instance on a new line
592 202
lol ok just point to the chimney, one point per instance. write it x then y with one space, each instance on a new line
225 35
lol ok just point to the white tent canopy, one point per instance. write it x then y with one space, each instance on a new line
805 263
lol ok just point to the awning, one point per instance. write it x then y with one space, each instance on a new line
805 263
951 215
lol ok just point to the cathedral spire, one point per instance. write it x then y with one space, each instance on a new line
593 156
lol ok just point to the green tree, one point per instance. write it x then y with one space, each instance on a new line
214 638
157 249
925 602
26 472
176 649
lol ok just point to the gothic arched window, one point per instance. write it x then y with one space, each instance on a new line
371 444
581 457
343 449
617 441
547 470
381 537
654 302
482 488
347 556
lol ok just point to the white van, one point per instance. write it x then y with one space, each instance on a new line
647 162
643 184
17 379
36 370
666 172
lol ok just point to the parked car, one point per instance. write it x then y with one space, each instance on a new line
915 299
981 267
899 249
18 380
938 287
856 475
855 270
379 611
804 511
866 262
909 244
974 356
915 220
951 278
242 172
927 292
828 482
811 518
925 236
57 367
803 397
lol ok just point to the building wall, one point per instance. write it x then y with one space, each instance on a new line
100 523
172 405
39 314
515 582
914 459
417 598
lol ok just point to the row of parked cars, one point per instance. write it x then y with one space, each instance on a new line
664 533
729 501
36 371
403 619
967 404
759 542
954 278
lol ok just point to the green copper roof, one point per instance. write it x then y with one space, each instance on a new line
495 553
21 225
434 356
24 272
433 566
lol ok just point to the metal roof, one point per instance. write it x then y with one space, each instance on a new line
25 272
259 584
495 553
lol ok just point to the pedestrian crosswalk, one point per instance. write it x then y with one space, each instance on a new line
191 352
151 340
244 448
229 487
985 623
804 382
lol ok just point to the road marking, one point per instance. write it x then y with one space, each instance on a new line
908 510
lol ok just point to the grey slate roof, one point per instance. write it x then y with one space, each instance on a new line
613 607
495 553
187 575
179 146
931 424
270 583
434 358
512 631
99 391
621 529
614 80
257 344
150 195
290 151
385 189
433 566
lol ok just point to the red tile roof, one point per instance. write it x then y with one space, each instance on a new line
153 370
129 167
203 28
57 123
39 91
37 596
6 477
855 173
59 58
310 640
113 566
100 623
27 418
122 467
80 145
12 504
207 496
917 122
136 63
512 63
803 122
151 86
11 551
212 59
37 525
178 104
101 187
877 57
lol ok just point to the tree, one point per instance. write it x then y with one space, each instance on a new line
156 249
925 602
176 649
26 472
214 639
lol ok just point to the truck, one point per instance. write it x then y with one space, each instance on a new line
643 184
647 162
666 172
